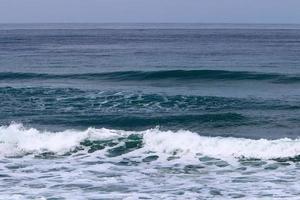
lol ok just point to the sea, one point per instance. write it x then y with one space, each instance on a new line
149 111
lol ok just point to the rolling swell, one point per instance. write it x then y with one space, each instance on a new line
133 100
141 122
178 75
47 98
67 108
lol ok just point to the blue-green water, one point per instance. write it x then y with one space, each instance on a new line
158 111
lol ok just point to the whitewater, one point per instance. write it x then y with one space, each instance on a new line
106 163
15 140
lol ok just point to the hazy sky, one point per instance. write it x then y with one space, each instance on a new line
219 11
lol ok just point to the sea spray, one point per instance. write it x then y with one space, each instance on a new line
16 139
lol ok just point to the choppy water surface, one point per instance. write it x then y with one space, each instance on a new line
149 111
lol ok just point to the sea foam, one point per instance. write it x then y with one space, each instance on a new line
15 139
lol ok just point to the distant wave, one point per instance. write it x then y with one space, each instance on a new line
17 140
135 111
137 100
179 75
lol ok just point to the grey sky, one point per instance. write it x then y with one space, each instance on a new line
219 11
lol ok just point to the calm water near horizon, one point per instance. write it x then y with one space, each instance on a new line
149 111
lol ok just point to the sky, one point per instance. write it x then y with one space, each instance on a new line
150 11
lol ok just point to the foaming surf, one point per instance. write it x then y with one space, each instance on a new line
117 164
16 139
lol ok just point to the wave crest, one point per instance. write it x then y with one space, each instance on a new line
178 75
15 139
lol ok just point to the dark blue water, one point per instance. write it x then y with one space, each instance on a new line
232 81
240 82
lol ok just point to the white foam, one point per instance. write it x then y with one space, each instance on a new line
186 143
16 139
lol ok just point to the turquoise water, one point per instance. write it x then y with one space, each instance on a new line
157 111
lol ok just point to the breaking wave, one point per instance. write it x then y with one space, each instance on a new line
15 139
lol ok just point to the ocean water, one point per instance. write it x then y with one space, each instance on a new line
149 111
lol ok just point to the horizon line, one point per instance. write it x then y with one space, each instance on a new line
217 23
